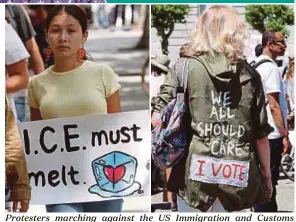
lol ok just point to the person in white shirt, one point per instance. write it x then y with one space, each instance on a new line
274 45
17 179
16 65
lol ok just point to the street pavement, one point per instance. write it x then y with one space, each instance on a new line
285 197
114 49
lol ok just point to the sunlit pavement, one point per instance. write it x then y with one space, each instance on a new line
115 49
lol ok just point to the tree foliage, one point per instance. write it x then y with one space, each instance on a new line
264 17
164 18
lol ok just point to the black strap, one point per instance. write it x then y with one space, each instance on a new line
256 65
252 63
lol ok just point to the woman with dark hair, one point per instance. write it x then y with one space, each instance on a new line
53 93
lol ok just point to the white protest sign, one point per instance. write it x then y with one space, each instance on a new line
88 158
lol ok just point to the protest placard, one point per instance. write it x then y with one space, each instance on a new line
89 158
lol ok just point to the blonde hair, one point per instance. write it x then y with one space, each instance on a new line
219 29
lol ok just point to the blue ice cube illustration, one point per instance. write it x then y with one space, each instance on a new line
115 171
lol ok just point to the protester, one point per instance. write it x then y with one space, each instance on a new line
219 78
159 69
17 180
274 45
38 14
73 86
20 21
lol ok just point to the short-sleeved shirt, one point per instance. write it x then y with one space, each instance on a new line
272 83
82 91
15 51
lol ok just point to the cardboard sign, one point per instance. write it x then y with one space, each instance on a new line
90 158
220 171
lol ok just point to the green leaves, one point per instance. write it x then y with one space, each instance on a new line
263 17
164 18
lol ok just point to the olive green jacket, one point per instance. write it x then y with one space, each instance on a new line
227 110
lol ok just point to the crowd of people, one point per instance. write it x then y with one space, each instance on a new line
216 64
115 17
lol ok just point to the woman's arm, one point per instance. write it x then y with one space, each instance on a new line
35 114
113 103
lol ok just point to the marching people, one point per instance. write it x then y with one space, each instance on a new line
17 184
159 69
20 21
236 135
38 14
53 93
274 45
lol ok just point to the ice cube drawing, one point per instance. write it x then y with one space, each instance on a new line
115 175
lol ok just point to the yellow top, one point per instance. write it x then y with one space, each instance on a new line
81 91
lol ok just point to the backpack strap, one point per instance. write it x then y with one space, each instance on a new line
255 66
181 69
252 63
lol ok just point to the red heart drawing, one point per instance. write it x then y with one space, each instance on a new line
114 174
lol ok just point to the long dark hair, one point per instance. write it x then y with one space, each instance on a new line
75 11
